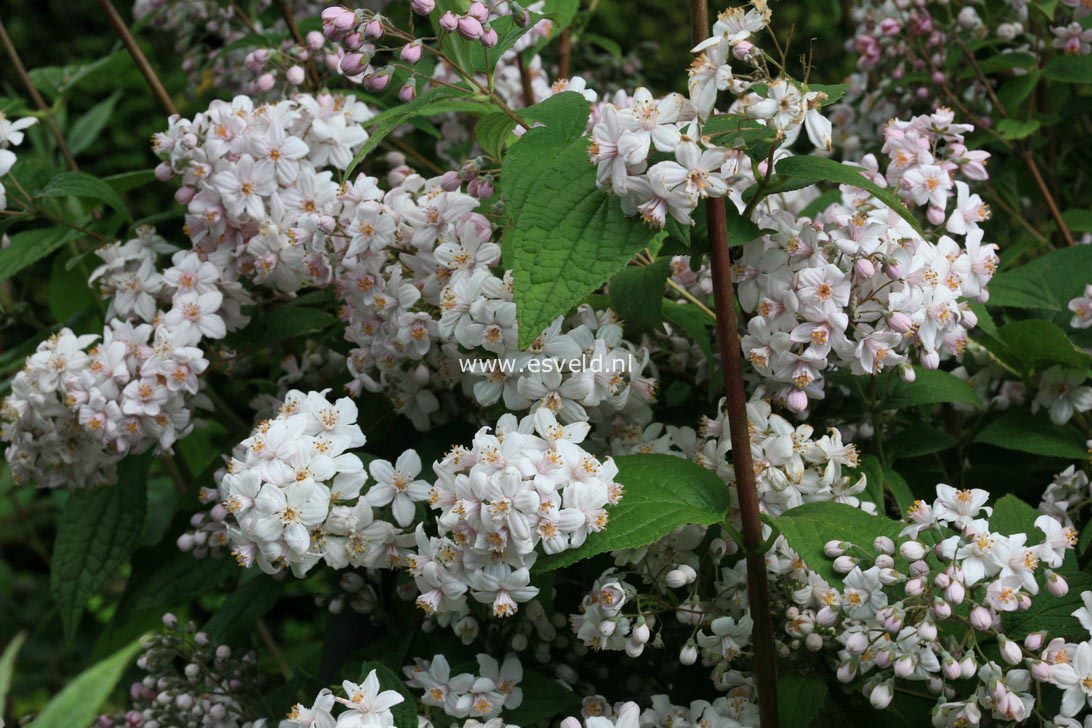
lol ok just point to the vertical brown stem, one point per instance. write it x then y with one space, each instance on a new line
565 51
758 588
525 80
290 20
150 77
24 78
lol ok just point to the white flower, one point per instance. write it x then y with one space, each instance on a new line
396 485
368 707
1061 393
959 506
1076 680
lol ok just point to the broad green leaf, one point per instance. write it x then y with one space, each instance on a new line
930 387
83 185
405 713
168 580
87 128
637 296
1078 221
920 439
244 607
285 322
740 229
30 246
693 321
834 91
492 132
544 698
819 169
68 290
1069 69
79 702
7 666
566 237
56 81
662 492
122 183
1034 345
897 486
1004 62
807 528
1014 91
1012 515
1035 435
1013 129
1047 282
96 534
800 698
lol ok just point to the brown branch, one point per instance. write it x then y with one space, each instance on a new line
294 29
139 58
758 588
525 80
24 77
565 51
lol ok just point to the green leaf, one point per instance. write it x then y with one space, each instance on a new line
819 169
79 702
1078 221
637 296
68 290
930 387
544 698
820 203
492 132
96 534
1034 345
169 580
834 91
566 237
1014 91
29 247
807 528
662 492
7 667
1013 129
1069 69
405 713
800 698
920 439
1012 515
693 321
83 185
1005 62
126 181
1047 282
897 486
87 128
1035 435
741 230
244 607
286 322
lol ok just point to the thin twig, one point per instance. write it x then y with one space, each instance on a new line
758 588
294 29
24 77
139 58
565 51
525 80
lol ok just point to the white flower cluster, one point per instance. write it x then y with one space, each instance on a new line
291 496
483 696
11 135
1067 494
735 709
366 706
527 484
884 622
73 413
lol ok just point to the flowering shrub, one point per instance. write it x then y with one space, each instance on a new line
460 384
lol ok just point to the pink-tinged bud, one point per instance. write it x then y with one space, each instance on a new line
981 618
845 564
411 52
893 624
883 545
634 649
912 550
353 42
1023 601
469 28
950 668
930 359
607 628
688 655
893 271
884 658
826 617
935 215
570 723
883 561
864 268
881 696
345 19
834 549
797 401
675 579
353 64
941 609
295 75
967 666
423 7
907 373
889 26
1034 641
1041 672
904 666
1056 585
899 322
939 78
762 168
408 92
449 21
955 592
846 672
942 580
857 643
479 12
889 577
377 81
163 172
928 630
743 49
373 29
814 642
450 181
490 38
266 81
1010 651
315 40
183 195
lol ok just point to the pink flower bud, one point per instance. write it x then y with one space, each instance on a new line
1034 641
183 195
1010 651
377 81
893 271
353 41
826 617
884 658
373 29
928 630
955 592
1056 585
353 64
479 11
266 81
967 666
981 618
295 75
889 577
930 359
942 580
674 578
688 655
845 564
314 40
883 545
163 172
857 643
411 52
449 21
941 609
935 215
797 401
864 268
912 550
834 549
469 28
950 668
408 92
814 642
345 19
634 649
570 723
423 7
899 322
743 49
846 672
490 38
904 666
907 373
881 696
1041 671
